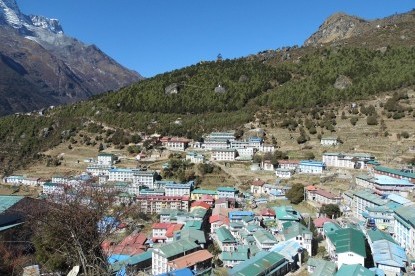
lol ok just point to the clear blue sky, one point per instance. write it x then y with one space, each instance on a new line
155 36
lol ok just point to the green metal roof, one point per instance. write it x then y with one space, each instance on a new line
193 234
224 235
233 256
193 224
348 240
259 264
7 201
395 171
354 270
178 247
292 229
330 227
133 260
204 192
287 213
264 236
376 235
227 189
406 214
371 197
322 267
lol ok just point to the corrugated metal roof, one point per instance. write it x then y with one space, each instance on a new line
348 240
322 267
7 201
354 270
388 253
259 264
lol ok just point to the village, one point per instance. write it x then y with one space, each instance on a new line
249 229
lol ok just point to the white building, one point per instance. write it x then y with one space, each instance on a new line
321 196
246 153
164 254
288 164
266 148
329 141
283 173
227 192
177 144
195 158
312 167
347 160
384 185
346 246
177 189
363 200
405 228
96 170
224 154
105 159
49 188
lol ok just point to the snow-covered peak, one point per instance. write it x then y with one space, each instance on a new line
10 13
52 25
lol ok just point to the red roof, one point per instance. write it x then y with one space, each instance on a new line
268 212
161 225
319 222
173 228
133 249
311 188
165 139
326 194
191 259
139 238
207 198
200 204
258 183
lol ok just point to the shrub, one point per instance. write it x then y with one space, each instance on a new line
371 120
405 134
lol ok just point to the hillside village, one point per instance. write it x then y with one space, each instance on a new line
236 229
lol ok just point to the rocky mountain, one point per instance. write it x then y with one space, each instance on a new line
41 66
342 28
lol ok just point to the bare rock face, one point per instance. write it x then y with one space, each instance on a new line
41 66
336 27
342 82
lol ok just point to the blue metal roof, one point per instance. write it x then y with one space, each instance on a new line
179 272
312 163
7 201
388 253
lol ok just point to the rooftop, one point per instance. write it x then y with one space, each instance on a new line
263 236
7 201
322 267
293 229
348 240
191 259
402 173
354 270
177 247
224 235
259 264
406 214
389 254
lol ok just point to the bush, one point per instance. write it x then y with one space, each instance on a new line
296 194
353 120
405 134
371 120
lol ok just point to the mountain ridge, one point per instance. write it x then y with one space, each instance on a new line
59 69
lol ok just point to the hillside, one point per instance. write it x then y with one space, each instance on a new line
299 89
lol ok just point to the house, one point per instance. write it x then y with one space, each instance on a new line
162 231
198 193
255 142
96 170
266 148
225 240
225 202
267 165
177 144
384 185
286 213
197 261
404 228
311 166
208 199
199 204
267 214
218 140
383 216
133 244
284 173
264 239
164 254
288 164
256 186
329 141
195 158
175 189
295 231
217 221
132 264
292 252
231 259
227 192
155 204
224 154
50 188
363 200
198 236
263 263
320 196
354 270
347 160
106 159
346 246
319 267
319 223
400 174
238 216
